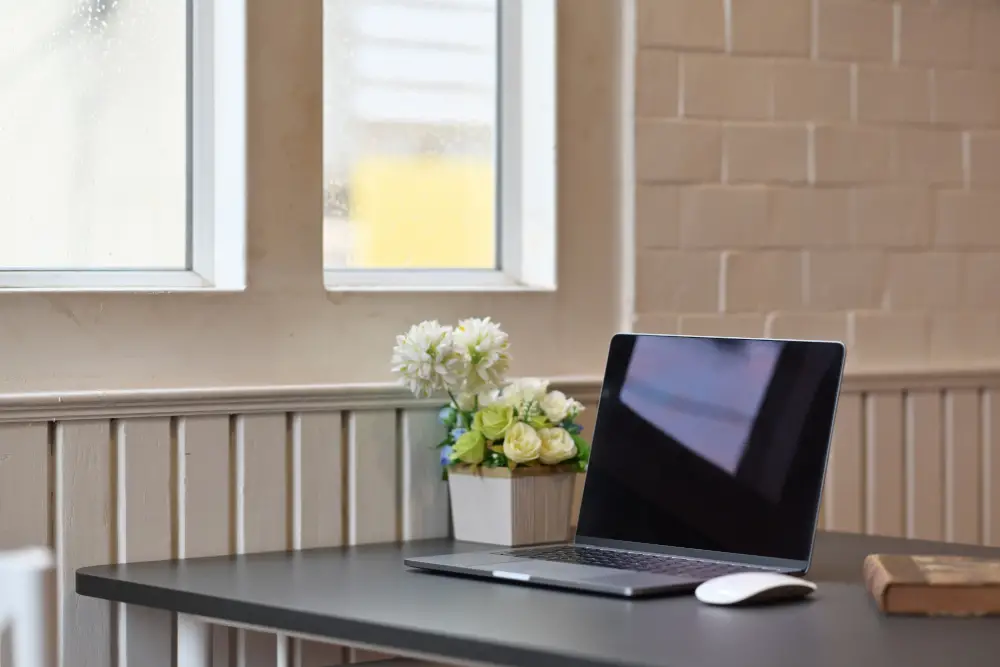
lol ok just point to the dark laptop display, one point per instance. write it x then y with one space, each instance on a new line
712 444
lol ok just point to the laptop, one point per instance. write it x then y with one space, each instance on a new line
708 458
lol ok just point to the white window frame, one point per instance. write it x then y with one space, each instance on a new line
526 149
217 123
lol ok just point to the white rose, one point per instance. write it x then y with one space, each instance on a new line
521 443
466 402
556 406
557 445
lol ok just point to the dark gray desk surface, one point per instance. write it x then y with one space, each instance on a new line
365 595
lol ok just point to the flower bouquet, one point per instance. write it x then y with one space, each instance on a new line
501 439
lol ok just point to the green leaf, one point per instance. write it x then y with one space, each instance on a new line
446 441
495 459
582 447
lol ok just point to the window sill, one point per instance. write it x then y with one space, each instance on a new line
112 281
459 280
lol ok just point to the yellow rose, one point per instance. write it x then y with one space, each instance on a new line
522 443
557 445
470 447
493 421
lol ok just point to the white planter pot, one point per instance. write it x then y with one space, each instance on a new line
529 505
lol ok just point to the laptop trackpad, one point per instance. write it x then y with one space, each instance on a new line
548 570
644 580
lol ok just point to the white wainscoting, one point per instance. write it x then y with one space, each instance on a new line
124 477
131 476
917 455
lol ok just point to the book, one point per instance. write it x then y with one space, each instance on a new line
933 585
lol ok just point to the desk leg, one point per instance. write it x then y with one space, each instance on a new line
194 642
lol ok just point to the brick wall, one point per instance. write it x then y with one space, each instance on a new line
821 168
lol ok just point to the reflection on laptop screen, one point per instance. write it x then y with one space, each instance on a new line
713 444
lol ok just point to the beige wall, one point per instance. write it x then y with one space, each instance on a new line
286 329
823 168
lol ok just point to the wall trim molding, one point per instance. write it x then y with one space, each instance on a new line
47 406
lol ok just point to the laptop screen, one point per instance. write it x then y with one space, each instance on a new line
717 444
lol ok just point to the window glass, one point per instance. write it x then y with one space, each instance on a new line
93 134
409 112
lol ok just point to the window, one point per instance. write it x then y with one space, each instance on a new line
121 152
432 179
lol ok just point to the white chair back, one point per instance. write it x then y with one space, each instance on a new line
25 580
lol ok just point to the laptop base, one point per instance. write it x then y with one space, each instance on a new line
575 577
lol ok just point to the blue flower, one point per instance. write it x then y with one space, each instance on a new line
446 455
447 416
457 433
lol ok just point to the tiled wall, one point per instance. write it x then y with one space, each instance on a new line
824 168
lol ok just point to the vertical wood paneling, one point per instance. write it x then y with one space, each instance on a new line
991 467
320 513
587 420
963 446
316 654
373 477
146 531
86 483
266 480
149 636
6 647
223 646
264 649
924 465
24 485
845 486
208 518
266 510
206 487
425 494
322 480
821 519
148 525
373 486
884 465
194 643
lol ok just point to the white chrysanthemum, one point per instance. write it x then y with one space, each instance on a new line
425 358
484 346
488 397
525 390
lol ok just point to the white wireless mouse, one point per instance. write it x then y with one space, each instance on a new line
752 587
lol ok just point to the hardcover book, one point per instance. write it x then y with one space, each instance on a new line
933 585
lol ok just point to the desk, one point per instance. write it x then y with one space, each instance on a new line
365 597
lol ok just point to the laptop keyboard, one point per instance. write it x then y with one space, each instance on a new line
624 560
